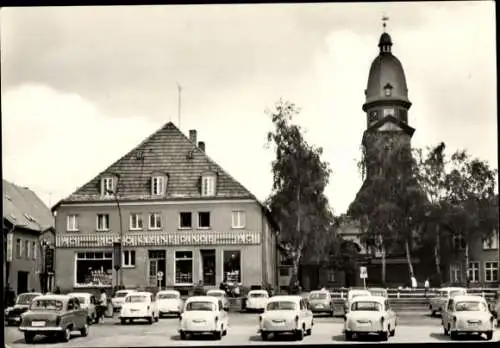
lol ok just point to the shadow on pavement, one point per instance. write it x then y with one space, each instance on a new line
206 337
135 323
338 338
40 339
285 338
440 337
362 338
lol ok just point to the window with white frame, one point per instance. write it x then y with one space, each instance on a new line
19 248
458 242
473 271
128 258
107 186
204 219
491 243
455 273
208 185
183 267
185 220
102 222
33 253
135 221
158 185
27 247
238 219
491 271
154 221
72 223
94 268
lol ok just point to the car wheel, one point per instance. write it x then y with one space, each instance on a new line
348 335
299 335
85 330
309 332
489 335
183 335
28 337
453 335
433 313
264 336
157 318
150 320
95 319
218 335
445 331
123 321
66 335
392 333
384 335
331 313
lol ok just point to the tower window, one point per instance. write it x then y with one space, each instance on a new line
373 116
388 90
388 112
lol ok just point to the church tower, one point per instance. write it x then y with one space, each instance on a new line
387 104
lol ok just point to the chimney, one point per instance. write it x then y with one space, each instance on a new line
192 135
201 145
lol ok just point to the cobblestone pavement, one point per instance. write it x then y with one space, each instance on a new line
413 327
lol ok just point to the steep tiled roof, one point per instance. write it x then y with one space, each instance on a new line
23 208
169 151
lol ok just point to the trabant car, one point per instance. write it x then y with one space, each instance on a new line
256 300
286 314
23 302
119 298
203 315
351 294
169 302
370 315
222 295
54 315
438 303
320 301
468 315
379 292
139 306
87 301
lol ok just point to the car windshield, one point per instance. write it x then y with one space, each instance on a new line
121 294
317 296
167 296
46 304
356 294
83 300
215 294
25 299
136 299
457 293
281 306
366 306
378 293
200 306
257 294
466 306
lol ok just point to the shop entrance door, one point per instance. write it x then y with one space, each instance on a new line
157 263
208 266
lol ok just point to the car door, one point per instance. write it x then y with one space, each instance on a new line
221 313
390 314
80 314
447 313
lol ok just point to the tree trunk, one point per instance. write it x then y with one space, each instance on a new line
298 252
408 258
437 258
383 264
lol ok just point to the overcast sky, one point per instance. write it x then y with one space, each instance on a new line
83 86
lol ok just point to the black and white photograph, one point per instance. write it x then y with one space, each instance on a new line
250 174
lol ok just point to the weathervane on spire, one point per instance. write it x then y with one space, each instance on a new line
384 21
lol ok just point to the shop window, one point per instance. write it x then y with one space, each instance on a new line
154 221
185 220
135 221
102 222
19 248
94 269
491 271
238 219
72 223
473 271
203 219
232 266
128 258
183 267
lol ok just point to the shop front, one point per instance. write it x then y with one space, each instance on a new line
160 259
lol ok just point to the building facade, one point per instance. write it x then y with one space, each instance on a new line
25 220
181 219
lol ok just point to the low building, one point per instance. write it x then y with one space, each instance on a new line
25 219
181 219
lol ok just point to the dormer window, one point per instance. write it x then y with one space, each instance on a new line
208 182
158 184
107 186
388 90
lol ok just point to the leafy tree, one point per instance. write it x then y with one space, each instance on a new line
297 200
390 204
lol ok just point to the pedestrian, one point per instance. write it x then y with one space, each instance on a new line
426 286
198 289
413 282
237 290
103 305
58 290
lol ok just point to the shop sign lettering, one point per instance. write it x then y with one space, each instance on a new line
98 240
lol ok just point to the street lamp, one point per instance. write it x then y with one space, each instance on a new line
118 246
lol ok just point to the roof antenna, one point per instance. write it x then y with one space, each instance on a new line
384 21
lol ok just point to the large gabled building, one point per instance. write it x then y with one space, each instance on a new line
180 216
